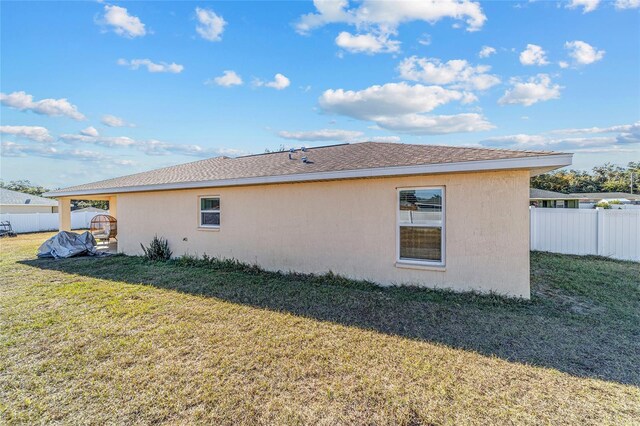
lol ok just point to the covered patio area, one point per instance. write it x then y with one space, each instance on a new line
109 245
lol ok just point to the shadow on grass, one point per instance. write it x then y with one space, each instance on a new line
583 319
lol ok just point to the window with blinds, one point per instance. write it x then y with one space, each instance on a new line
421 225
209 212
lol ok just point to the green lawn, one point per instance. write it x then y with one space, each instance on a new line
119 340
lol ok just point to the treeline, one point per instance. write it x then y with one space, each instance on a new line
606 178
23 186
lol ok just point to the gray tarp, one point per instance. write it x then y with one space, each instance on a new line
68 244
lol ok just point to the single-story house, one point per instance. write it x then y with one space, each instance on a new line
425 215
18 202
588 199
551 199
91 209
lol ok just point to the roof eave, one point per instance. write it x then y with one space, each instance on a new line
534 163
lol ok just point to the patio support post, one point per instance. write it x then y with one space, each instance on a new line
64 214
113 206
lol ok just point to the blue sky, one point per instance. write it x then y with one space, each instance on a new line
92 90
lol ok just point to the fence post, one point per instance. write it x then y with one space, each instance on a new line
599 231
532 228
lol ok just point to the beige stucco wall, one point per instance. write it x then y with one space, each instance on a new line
348 227
20 209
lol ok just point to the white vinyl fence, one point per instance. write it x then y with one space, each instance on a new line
37 222
612 233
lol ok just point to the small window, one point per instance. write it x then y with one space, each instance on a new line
209 212
421 225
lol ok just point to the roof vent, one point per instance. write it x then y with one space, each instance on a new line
305 160
292 150
290 157
304 149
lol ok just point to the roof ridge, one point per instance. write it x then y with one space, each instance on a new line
467 147
288 150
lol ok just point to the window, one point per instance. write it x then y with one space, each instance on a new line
209 212
421 226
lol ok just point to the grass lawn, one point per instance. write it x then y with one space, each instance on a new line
119 340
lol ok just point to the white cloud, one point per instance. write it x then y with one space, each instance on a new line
627 4
279 82
583 53
155 147
535 89
420 124
627 132
608 139
90 131
587 5
533 55
227 79
321 135
425 40
210 26
387 139
387 15
134 64
401 107
388 99
563 64
113 121
34 133
11 149
51 107
486 51
595 130
468 98
108 141
367 43
149 147
122 23
457 72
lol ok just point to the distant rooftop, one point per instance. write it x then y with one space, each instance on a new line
541 194
8 197
607 195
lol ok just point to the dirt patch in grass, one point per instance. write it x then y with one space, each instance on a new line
122 340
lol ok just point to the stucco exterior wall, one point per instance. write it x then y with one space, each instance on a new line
348 227
20 209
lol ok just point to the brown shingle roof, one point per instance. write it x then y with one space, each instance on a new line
542 194
366 155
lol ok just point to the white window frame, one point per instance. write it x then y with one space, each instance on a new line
200 211
443 227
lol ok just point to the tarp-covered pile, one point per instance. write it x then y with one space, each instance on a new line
68 244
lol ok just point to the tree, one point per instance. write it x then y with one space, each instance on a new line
23 186
81 204
605 178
